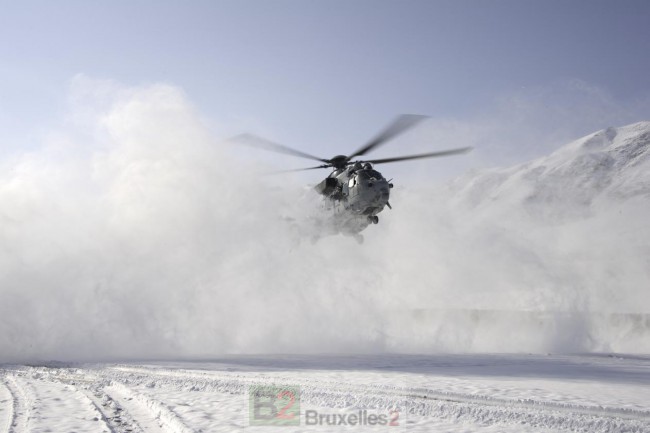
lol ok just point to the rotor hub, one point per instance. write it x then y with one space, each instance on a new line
339 162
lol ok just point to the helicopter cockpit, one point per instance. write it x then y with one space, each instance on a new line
354 168
369 174
359 167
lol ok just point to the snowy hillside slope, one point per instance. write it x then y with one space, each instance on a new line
583 177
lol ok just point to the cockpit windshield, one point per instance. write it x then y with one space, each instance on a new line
369 174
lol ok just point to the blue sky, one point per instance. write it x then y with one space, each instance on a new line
326 75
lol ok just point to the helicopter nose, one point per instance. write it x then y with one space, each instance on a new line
383 193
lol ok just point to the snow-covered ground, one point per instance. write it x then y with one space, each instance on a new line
456 393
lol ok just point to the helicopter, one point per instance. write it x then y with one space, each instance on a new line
354 191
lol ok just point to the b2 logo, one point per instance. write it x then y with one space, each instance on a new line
273 405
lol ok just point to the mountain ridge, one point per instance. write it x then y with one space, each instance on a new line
610 165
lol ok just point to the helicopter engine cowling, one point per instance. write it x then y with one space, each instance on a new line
327 186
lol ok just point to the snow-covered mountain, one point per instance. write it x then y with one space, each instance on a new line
581 178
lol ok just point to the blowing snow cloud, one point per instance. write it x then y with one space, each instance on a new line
132 232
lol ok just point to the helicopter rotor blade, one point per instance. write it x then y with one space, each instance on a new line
422 155
301 169
262 143
398 126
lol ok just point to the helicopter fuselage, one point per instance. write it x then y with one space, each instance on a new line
356 195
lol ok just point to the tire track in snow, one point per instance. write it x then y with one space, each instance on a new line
483 409
167 419
21 406
59 405
415 401
116 419
6 407
144 419
122 410
238 382
112 413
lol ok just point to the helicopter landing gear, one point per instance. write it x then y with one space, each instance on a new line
373 219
